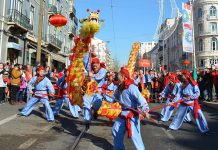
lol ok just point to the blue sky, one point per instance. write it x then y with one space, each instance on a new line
133 21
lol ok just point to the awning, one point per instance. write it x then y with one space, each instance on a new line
58 57
15 46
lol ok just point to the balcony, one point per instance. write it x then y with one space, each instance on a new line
19 21
72 33
72 11
53 42
211 18
52 9
206 33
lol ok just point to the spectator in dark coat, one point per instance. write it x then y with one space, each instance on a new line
201 87
208 83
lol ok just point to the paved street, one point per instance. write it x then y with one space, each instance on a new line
36 134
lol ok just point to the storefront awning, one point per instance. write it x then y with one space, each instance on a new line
15 46
58 58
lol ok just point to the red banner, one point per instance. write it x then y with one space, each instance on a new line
145 63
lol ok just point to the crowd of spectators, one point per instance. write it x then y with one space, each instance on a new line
155 82
14 80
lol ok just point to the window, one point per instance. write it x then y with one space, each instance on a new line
19 5
200 45
11 4
214 44
16 4
200 13
213 61
200 27
213 26
201 63
32 14
212 11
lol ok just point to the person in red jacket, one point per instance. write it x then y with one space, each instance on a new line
166 80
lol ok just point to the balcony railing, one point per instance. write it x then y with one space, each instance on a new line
53 40
209 17
74 31
19 18
72 11
76 21
205 33
52 9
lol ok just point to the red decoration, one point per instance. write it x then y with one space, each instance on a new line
145 63
186 62
58 20
87 9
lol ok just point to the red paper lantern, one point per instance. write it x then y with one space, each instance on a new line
186 62
58 20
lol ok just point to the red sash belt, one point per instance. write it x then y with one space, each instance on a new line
45 95
62 92
128 122
196 106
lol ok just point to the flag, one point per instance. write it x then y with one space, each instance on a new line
187 28
195 76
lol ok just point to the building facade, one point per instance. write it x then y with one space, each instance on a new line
19 32
153 55
100 48
145 47
206 32
169 50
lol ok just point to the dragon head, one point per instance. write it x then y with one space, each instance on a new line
90 25
93 17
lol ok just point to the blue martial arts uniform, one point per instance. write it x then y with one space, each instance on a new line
175 93
136 81
100 76
90 103
94 101
43 87
111 87
132 98
194 93
61 83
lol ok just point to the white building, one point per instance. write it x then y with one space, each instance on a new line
170 50
100 48
153 55
19 32
206 33
145 47
206 39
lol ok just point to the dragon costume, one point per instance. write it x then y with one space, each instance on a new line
90 26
